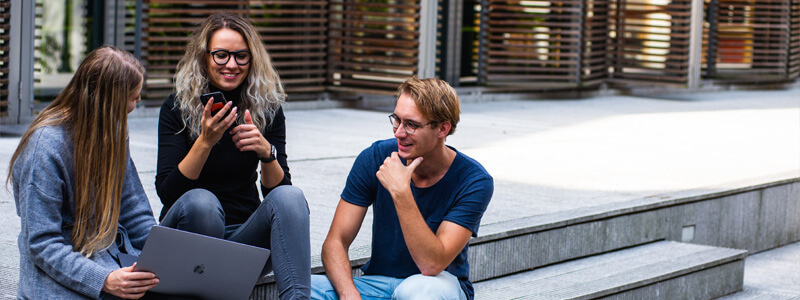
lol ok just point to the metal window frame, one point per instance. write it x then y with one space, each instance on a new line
427 39
114 23
21 106
20 87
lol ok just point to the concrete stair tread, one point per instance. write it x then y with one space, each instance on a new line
754 294
608 273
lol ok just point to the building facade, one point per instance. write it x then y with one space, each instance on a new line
331 48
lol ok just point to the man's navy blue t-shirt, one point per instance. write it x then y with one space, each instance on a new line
460 197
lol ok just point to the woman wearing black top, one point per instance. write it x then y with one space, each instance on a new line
208 162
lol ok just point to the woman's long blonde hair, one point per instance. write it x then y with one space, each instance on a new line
262 93
94 109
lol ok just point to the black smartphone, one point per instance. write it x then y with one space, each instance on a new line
219 101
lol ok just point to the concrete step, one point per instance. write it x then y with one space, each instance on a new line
753 294
660 270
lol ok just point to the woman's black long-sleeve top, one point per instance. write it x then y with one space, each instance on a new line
228 173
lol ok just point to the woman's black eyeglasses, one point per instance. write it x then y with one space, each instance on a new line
221 57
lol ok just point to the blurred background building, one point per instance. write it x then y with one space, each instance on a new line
350 49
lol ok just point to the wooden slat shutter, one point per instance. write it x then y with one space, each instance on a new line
751 40
533 43
373 45
293 33
650 41
793 68
166 27
5 37
594 59
129 43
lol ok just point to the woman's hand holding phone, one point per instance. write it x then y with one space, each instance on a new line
214 126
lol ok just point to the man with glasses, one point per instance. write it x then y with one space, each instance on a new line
428 199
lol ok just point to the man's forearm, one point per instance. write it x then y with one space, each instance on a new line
337 267
424 246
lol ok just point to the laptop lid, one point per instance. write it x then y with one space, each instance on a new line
191 264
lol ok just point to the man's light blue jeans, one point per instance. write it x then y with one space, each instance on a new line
374 287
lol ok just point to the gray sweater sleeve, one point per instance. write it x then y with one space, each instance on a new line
136 216
44 193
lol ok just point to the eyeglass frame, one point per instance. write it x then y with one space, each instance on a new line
230 54
407 124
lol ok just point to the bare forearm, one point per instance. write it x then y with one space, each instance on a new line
271 174
337 267
425 248
193 163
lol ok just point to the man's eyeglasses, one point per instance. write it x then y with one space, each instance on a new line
408 126
221 57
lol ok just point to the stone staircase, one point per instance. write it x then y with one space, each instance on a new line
680 245
660 270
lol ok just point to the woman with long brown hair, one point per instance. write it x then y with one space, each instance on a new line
77 191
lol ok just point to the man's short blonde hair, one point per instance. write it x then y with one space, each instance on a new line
435 99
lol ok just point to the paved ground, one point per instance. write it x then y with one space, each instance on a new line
545 155
773 274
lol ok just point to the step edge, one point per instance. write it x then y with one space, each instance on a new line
724 256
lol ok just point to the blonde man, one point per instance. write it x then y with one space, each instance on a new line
427 197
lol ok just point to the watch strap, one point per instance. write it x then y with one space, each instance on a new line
272 154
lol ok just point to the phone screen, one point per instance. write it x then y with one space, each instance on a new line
219 101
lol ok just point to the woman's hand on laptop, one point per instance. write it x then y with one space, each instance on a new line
128 284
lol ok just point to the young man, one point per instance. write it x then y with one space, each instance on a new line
428 201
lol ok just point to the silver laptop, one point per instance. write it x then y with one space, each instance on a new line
195 265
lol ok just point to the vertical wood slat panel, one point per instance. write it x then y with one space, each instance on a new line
38 38
130 26
595 42
166 27
793 66
5 37
533 43
373 45
752 38
293 33
650 41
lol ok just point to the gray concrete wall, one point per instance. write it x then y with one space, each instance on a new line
755 221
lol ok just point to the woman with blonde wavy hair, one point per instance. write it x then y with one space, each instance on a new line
77 191
209 161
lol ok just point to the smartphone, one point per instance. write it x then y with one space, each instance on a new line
219 101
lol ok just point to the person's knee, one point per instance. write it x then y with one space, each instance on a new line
200 212
442 286
321 288
289 200
201 203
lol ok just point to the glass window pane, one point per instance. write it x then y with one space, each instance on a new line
60 44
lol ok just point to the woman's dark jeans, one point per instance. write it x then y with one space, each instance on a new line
280 224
